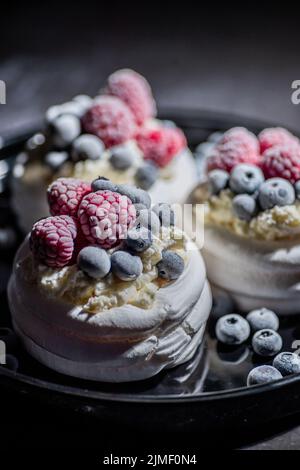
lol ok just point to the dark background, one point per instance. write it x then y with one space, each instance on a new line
240 58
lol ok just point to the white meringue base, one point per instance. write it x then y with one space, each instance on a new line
29 201
254 273
117 345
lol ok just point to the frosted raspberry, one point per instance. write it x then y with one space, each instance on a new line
274 136
135 91
105 217
282 161
244 137
52 240
227 156
161 144
65 194
111 120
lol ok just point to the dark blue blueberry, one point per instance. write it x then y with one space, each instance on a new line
171 266
244 207
245 179
103 184
94 262
87 147
138 239
125 266
263 319
147 218
217 180
287 363
266 342
146 176
276 192
232 329
262 375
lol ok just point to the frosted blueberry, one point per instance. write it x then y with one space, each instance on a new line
102 184
263 374
244 207
146 175
55 159
276 192
126 266
138 239
94 261
147 218
171 266
165 214
232 329
245 179
136 195
87 147
122 157
65 129
217 180
266 342
263 318
287 363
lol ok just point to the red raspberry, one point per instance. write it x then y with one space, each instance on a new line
282 161
135 91
275 136
65 194
111 120
161 144
238 145
52 240
244 137
105 217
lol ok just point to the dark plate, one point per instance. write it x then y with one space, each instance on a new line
207 394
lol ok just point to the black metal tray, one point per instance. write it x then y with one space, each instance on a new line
208 394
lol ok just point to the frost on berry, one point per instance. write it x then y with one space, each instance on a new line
135 91
274 136
65 194
52 240
105 217
283 162
111 120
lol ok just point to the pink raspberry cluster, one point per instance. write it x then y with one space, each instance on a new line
276 151
80 217
123 113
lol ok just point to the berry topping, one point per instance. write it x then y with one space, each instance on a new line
245 178
65 195
236 146
161 144
171 266
287 363
101 184
126 266
138 239
65 129
266 342
276 192
232 329
135 91
122 157
87 147
244 206
148 219
275 136
94 261
263 374
136 195
217 180
263 318
110 120
55 160
165 214
282 161
146 175
105 217
52 240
